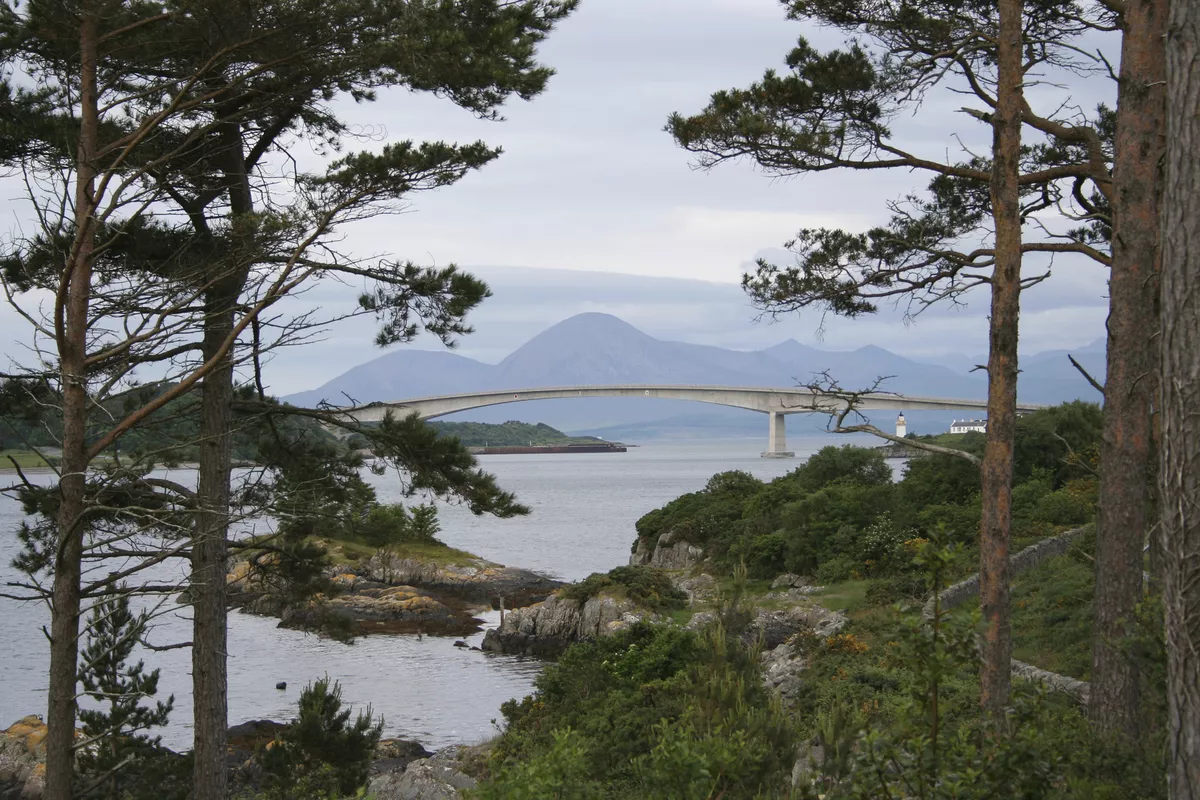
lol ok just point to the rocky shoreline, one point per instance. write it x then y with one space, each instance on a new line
401 769
388 593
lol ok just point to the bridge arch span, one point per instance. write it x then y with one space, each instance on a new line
775 402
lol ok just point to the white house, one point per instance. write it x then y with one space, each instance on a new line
968 425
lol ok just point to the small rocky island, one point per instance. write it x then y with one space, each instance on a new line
427 589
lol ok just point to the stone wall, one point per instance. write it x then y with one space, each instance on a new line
1036 553
1027 559
1080 690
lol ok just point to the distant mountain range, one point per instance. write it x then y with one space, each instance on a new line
595 349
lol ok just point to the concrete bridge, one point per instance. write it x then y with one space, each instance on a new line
776 403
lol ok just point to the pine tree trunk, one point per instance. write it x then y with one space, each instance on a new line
209 635
72 348
210 686
1179 464
1127 450
996 493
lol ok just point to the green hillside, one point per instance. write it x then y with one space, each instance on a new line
507 434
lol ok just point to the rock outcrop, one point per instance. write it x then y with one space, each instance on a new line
782 671
390 594
670 552
23 759
395 755
700 588
475 580
439 777
776 627
549 627
384 609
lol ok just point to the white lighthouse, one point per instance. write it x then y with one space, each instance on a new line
901 426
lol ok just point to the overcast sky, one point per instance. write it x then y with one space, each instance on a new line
589 183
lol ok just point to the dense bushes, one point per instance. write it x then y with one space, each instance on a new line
888 707
655 712
646 586
840 515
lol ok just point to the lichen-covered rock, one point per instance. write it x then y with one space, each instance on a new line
394 755
246 737
439 777
808 765
35 784
776 627
473 580
700 588
396 609
22 759
548 628
669 553
782 668
786 581
792 594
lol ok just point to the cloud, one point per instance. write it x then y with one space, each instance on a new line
589 183
526 301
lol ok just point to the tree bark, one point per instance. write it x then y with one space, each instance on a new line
1179 460
209 553
71 320
209 621
1127 447
997 470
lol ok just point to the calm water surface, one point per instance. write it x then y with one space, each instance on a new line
584 508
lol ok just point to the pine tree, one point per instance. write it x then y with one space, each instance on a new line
119 747
322 753
425 526
833 111
148 107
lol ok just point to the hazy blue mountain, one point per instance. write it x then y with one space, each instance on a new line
600 348
860 369
1049 377
401 374
592 349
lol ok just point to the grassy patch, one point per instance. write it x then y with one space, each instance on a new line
1052 616
848 596
429 552
26 459
754 587
682 616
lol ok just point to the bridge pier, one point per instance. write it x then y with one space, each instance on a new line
777 437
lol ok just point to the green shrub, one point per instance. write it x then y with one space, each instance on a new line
763 555
387 524
322 753
836 570
1064 507
653 712
647 587
861 465
126 763
885 591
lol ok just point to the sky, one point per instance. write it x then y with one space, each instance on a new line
592 207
